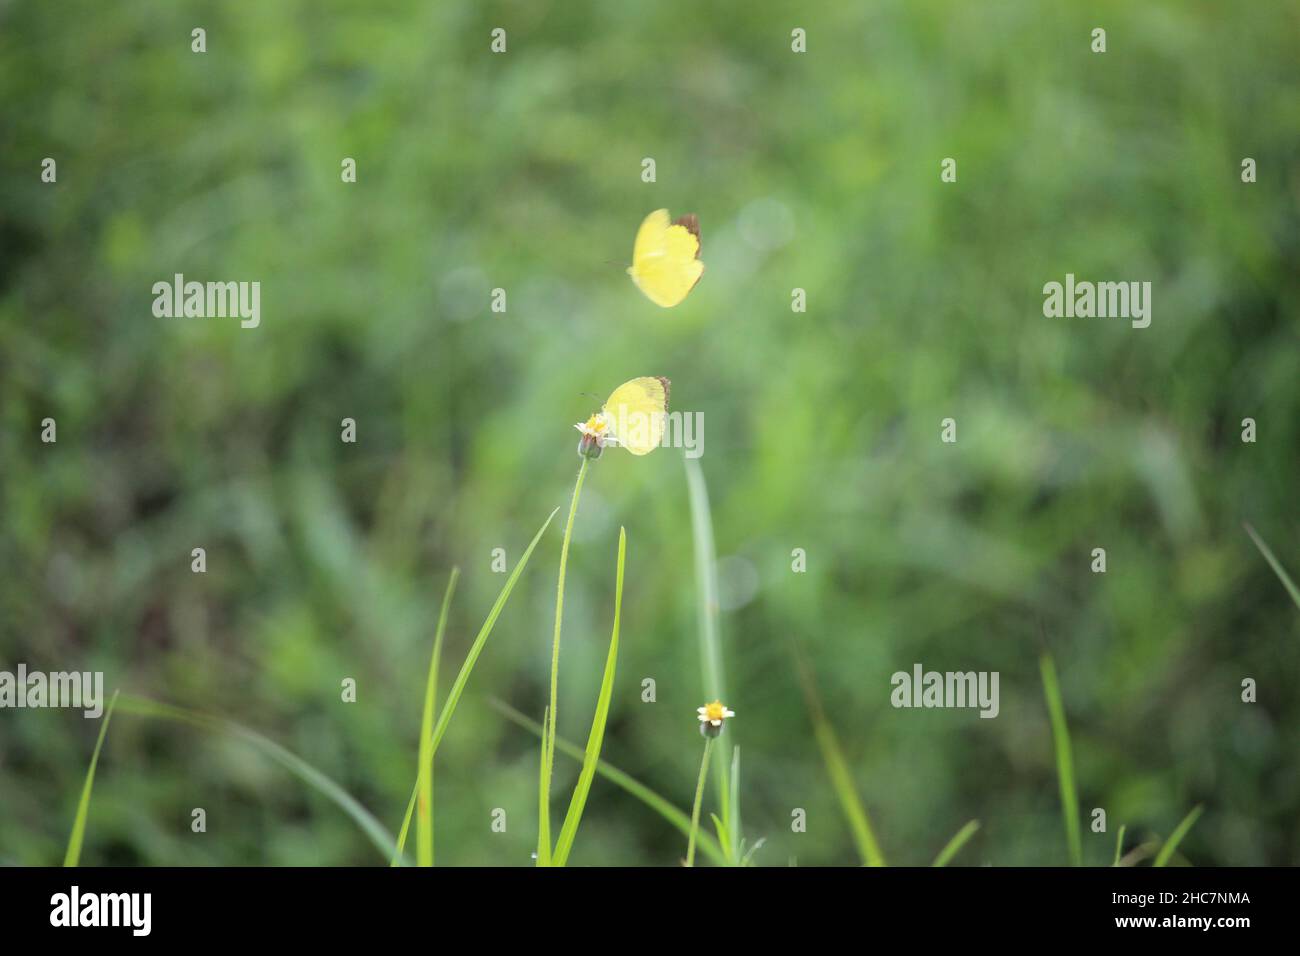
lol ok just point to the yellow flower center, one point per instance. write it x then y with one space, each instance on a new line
596 424
714 711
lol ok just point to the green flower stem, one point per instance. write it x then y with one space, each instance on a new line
548 741
699 797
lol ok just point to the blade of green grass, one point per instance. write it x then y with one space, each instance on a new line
1119 845
73 855
424 778
399 847
706 602
569 830
1139 853
747 856
733 787
730 818
1064 760
380 837
846 792
548 742
837 767
1175 838
542 857
458 687
724 838
629 784
1275 564
954 845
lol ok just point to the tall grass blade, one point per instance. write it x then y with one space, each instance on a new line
1275 564
543 854
548 734
372 828
73 855
1064 760
733 831
724 838
1175 838
1119 845
709 631
954 845
462 678
624 781
837 767
564 843
399 847
424 778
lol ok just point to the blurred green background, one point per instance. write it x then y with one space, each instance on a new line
522 171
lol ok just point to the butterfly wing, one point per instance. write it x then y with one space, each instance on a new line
665 258
636 411
650 237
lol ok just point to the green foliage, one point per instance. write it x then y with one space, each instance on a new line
424 776
954 846
1275 564
619 778
817 171
1064 760
429 746
372 828
840 773
1170 845
73 855
550 721
590 759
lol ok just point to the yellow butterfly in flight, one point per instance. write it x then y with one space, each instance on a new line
632 417
666 258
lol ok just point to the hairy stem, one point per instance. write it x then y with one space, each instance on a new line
699 797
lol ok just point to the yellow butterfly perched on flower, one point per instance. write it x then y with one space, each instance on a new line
666 258
632 418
